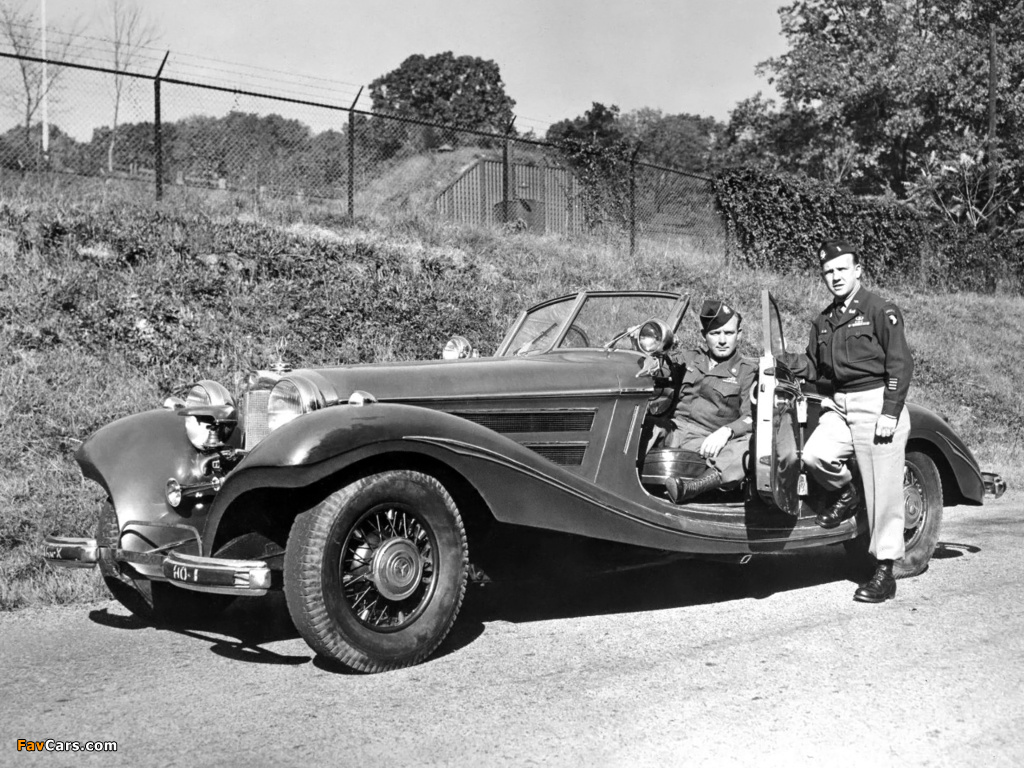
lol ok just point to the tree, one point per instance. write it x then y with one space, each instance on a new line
683 141
19 28
869 87
465 91
599 150
130 33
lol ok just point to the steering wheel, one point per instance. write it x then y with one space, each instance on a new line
573 335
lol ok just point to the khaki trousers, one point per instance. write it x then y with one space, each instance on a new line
847 428
729 460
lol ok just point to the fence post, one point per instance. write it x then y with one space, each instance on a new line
506 175
352 155
632 200
158 132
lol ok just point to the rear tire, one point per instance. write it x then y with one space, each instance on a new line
922 520
375 574
922 503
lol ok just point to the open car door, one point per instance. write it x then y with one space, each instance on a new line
778 436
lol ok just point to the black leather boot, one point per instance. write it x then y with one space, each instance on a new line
880 587
681 491
842 508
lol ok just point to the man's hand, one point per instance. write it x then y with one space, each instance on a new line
885 427
715 442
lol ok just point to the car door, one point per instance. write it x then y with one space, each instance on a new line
780 409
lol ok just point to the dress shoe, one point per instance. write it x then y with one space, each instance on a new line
880 587
842 508
681 491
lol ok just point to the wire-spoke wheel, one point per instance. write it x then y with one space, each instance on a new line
922 513
922 519
376 573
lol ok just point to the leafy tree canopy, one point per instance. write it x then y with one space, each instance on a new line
684 141
457 90
869 87
598 126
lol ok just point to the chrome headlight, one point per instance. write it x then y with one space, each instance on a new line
209 427
457 348
208 392
289 398
654 337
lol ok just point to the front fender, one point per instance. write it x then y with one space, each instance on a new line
322 443
132 459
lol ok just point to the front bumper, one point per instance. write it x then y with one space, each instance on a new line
218 575
995 486
201 574
69 552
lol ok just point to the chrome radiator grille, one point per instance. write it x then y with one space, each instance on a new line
254 408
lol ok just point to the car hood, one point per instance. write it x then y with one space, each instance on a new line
557 373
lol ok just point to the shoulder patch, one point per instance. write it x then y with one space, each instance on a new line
892 316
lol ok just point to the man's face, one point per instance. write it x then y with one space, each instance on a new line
723 340
841 275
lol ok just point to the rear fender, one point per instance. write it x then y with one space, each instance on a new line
961 466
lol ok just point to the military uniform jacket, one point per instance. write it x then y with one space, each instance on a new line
714 394
861 348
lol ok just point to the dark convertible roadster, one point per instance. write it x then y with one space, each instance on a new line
363 490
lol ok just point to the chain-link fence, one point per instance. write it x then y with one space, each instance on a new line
166 137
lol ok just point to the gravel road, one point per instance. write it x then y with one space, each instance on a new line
771 663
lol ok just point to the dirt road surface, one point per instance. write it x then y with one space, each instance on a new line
766 664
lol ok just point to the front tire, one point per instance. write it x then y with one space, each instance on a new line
375 574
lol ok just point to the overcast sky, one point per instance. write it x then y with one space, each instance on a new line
556 56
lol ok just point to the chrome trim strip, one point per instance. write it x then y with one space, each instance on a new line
545 395
629 434
607 438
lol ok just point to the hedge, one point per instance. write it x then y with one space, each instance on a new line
779 220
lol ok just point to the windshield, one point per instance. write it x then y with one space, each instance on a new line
568 324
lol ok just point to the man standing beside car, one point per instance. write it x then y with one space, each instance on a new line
858 343
712 413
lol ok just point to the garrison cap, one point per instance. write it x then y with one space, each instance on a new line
832 249
714 314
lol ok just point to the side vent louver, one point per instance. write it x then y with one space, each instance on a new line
576 420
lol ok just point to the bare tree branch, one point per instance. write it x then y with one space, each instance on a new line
131 33
19 29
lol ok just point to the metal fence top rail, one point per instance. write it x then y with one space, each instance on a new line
335 107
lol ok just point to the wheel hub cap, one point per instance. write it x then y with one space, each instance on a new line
913 505
397 568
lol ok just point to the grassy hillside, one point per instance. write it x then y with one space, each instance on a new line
105 310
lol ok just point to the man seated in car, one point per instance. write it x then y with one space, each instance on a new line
713 411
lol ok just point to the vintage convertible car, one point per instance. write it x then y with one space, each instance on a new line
370 493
